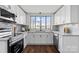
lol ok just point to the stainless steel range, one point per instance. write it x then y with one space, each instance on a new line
15 41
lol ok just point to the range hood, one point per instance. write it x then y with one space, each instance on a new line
6 13
6 16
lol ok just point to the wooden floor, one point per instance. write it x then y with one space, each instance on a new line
40 49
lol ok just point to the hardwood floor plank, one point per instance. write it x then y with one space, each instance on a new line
40 49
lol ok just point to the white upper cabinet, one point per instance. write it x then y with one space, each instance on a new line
75 14
60 16
21 16
67 14
57 18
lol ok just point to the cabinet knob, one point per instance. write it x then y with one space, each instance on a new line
40 36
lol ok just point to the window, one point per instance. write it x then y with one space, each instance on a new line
33 22
40 22
48 22
43 21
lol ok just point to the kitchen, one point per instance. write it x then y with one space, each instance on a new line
27 27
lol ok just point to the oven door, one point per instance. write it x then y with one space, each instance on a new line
17 47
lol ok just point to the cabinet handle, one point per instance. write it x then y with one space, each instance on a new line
33 36
40 36
47 35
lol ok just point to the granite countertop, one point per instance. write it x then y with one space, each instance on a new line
65 34
17 38
23 32
5 38
57 32
40 32
70 34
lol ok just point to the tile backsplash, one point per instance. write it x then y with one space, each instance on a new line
5 25
74 28
55 28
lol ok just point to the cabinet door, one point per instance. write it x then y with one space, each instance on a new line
68 14
25 39
56 18
21 16
36 38
65 13
50 38
46 38
70 44
59 16
75 13
31 38
60 43
3 47
62 15
43 38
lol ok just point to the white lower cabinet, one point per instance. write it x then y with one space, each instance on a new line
25 39
3 46
60 43
40 38
69 44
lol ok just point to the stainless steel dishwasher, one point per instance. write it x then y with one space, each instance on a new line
56 39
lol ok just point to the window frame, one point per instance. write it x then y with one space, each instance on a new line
41 22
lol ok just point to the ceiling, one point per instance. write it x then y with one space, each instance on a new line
40 8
